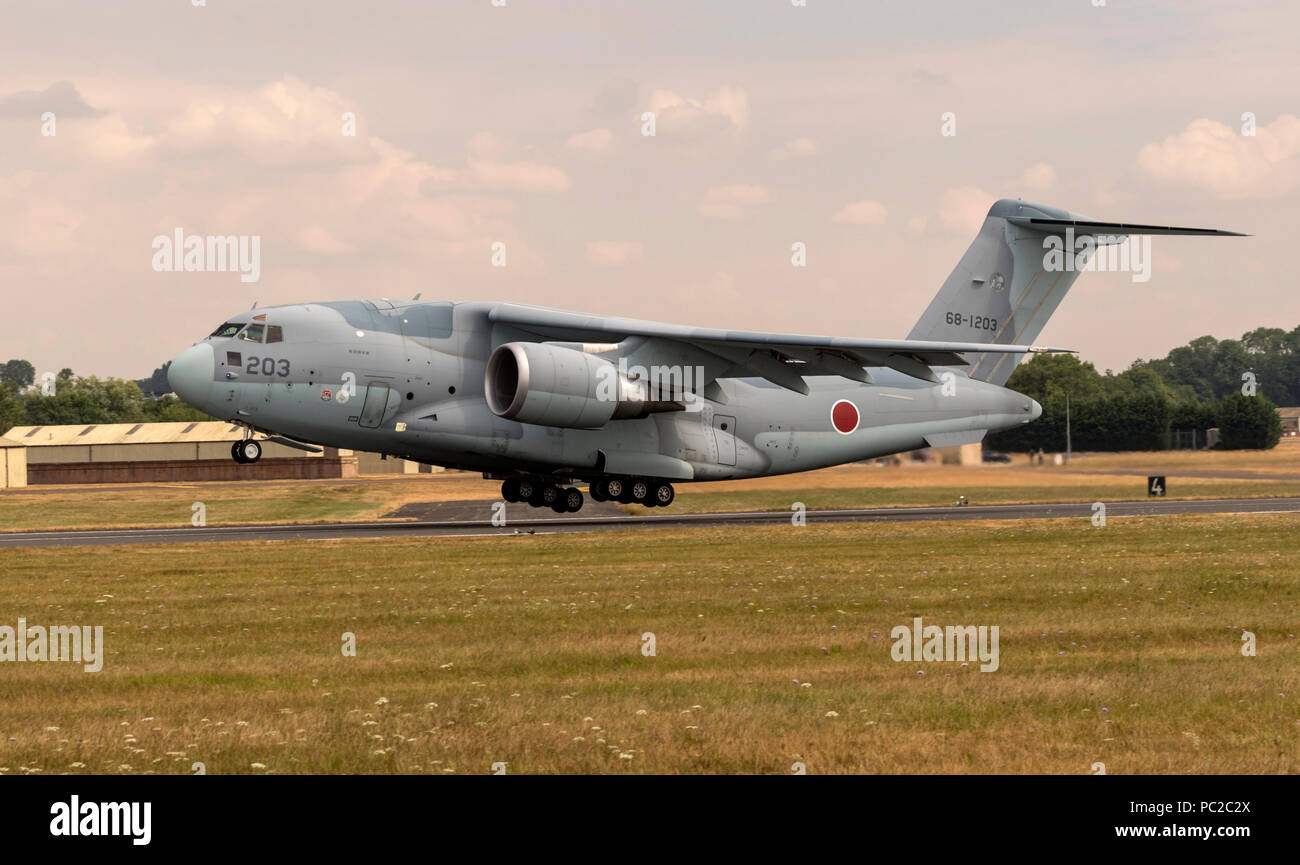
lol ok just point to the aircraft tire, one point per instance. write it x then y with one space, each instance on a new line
639 492
596 489
547 495
614 489
510 489
571 499
252 451
526 490
661 495
237 452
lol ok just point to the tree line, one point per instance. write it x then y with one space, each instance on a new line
83 399
1204 385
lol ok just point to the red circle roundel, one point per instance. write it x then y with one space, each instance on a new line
844 417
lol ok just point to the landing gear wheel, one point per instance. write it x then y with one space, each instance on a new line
526 489
510 490
639 492
570 501
597 490
252 451
237 452
545 496
614 489
662 495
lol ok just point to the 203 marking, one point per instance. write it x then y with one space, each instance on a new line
267 366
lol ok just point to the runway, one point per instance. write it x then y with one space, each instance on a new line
468 519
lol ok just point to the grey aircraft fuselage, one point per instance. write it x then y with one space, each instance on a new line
407 379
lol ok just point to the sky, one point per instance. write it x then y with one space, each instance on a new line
476 123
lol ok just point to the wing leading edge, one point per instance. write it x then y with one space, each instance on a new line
783 359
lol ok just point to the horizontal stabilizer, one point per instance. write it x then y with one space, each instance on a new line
1092 226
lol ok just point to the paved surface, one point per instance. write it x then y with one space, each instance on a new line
475 519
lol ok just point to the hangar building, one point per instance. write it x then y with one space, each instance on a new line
172 451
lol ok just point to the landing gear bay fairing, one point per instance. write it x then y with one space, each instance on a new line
546 400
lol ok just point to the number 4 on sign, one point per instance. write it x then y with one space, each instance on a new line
1156 485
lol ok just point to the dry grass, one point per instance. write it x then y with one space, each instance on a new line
1118 644
246 502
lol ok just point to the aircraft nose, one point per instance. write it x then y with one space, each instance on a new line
1035 410
190 374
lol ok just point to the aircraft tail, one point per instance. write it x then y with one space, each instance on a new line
1008 283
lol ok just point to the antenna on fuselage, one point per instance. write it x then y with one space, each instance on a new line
254 306
417 295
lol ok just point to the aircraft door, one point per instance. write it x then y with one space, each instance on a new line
372 411
724 434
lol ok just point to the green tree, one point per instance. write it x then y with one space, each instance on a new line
18 372
87 400
1248 422
156 384
169 408
13 412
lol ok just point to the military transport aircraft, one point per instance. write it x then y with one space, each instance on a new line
544 399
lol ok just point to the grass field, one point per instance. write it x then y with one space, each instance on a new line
1090 478
1119 644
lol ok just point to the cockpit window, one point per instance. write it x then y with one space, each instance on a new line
274 333
252 333
230 328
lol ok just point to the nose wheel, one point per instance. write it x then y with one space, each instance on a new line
246 452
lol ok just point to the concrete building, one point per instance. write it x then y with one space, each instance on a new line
179 451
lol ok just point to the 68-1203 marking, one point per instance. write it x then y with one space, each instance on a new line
979 322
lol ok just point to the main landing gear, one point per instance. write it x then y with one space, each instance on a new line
541 493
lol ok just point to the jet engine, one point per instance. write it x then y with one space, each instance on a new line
551 385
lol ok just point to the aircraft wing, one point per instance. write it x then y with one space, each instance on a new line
781 358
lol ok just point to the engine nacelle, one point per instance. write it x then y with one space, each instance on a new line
551 385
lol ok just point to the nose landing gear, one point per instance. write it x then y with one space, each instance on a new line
246 452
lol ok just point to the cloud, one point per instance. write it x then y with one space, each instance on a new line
731 202
220 164
515 176
861 213
314 238
285 123
674 112
61 97
594 141
1040 175
1215 157
796 149
963 208
614 253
